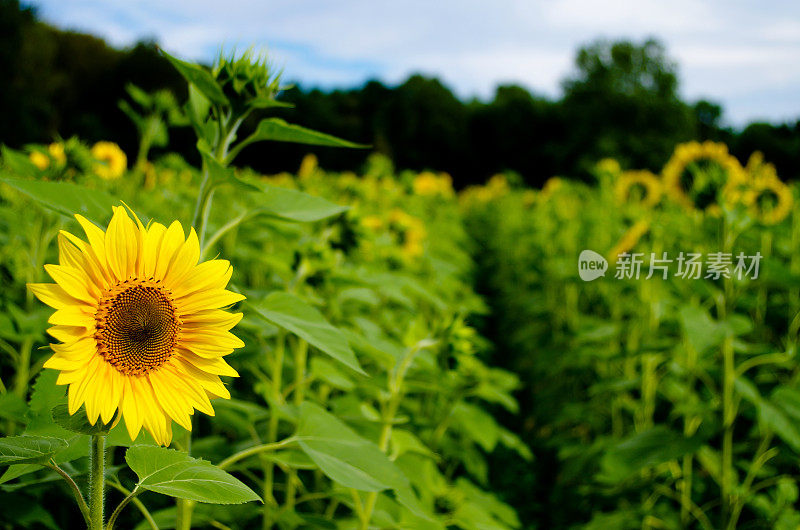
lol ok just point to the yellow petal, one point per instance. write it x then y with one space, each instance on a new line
72 316
130 408
216 318
68 333
212 338
214 366
113 393
122 245
168 396
75 283
150 248
170 243
184 260
213 274
74 256
53 295
210 383
207 300
96 238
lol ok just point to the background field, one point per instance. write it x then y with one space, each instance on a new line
420 350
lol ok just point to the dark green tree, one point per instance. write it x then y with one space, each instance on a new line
623 101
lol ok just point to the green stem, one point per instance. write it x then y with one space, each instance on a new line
272 428
23 367
136 502
122 505
252 451
75 490
300 362
97 481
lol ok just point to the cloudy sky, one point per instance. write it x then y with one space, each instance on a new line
745 55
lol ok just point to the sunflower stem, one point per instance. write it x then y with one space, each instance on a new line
97 481
74 488
118 510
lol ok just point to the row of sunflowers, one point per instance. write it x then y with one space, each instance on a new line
231 350
659 397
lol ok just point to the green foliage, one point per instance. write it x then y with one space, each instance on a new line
177 474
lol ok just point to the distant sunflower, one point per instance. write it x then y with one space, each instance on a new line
111 160
711 169
140 323
630 179
769 200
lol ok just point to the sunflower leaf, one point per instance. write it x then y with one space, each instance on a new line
350 460
199 77
177 474
278 130
28 449
292 205
65 197
294 314
78 422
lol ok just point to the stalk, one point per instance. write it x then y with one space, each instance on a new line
272 428
97 481
300 361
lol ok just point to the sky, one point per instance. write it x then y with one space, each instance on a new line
743 55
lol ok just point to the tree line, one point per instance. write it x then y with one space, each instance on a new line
621 101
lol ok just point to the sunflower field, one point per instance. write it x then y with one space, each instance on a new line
209 347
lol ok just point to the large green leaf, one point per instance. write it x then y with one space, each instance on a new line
771 415
177 474
294 205
292 313
28 449
645 449
18 162
65 197
199 77
348 459
278 130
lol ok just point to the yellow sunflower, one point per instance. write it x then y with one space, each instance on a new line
644 178
629 239
769 200
111 160
704 182
142 329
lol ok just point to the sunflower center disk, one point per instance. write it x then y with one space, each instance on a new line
137 327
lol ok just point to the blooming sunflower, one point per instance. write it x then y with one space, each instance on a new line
769 200
644 178
721 170
111 160
142 329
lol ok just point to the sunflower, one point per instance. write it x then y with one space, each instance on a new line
40 160
142 329
720 170
629 239
769 200
111 160
644 178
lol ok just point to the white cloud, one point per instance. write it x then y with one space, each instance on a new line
727 50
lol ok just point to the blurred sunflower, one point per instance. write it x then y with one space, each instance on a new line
629 180
55 153
40 160
142 331
698 172
769 200
111 160
629 239
427 183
